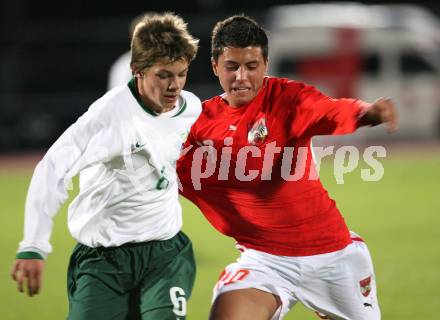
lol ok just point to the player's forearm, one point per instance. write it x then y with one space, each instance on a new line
46 194
369 118
35 247
382 110
42 203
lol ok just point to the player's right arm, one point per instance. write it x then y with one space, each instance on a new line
74 150
28 272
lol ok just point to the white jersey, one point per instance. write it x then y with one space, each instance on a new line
126 158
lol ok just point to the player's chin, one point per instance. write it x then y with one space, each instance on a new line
168 102
241 98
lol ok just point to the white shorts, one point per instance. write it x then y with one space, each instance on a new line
336 285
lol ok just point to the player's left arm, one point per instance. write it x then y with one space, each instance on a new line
381 111
318 114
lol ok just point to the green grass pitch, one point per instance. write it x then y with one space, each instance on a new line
398 216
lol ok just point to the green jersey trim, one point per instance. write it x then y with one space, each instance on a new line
132 86
182 108
29 255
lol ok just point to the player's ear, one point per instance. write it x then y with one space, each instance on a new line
133 71
214 66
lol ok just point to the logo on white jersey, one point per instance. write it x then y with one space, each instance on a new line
138 146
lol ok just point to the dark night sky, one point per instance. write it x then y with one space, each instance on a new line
55 55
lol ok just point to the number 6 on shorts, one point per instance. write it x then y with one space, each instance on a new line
178 299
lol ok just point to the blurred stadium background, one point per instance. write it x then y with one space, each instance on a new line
54 62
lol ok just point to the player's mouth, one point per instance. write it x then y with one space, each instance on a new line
240 90
171 98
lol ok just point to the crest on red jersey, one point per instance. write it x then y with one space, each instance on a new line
258 132
365 286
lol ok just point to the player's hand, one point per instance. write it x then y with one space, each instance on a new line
28 272
382 111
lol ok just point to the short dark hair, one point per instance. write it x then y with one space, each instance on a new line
238 31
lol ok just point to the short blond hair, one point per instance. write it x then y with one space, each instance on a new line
161 37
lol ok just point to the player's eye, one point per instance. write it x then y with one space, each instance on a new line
231 67
162 75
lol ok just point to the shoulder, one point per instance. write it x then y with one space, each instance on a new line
211 104
109 105
283 92
191 98
193 103
283 86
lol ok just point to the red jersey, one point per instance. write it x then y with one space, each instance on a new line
258 183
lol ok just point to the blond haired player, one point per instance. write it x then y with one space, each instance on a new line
132 261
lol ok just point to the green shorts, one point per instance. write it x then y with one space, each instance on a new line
149 280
